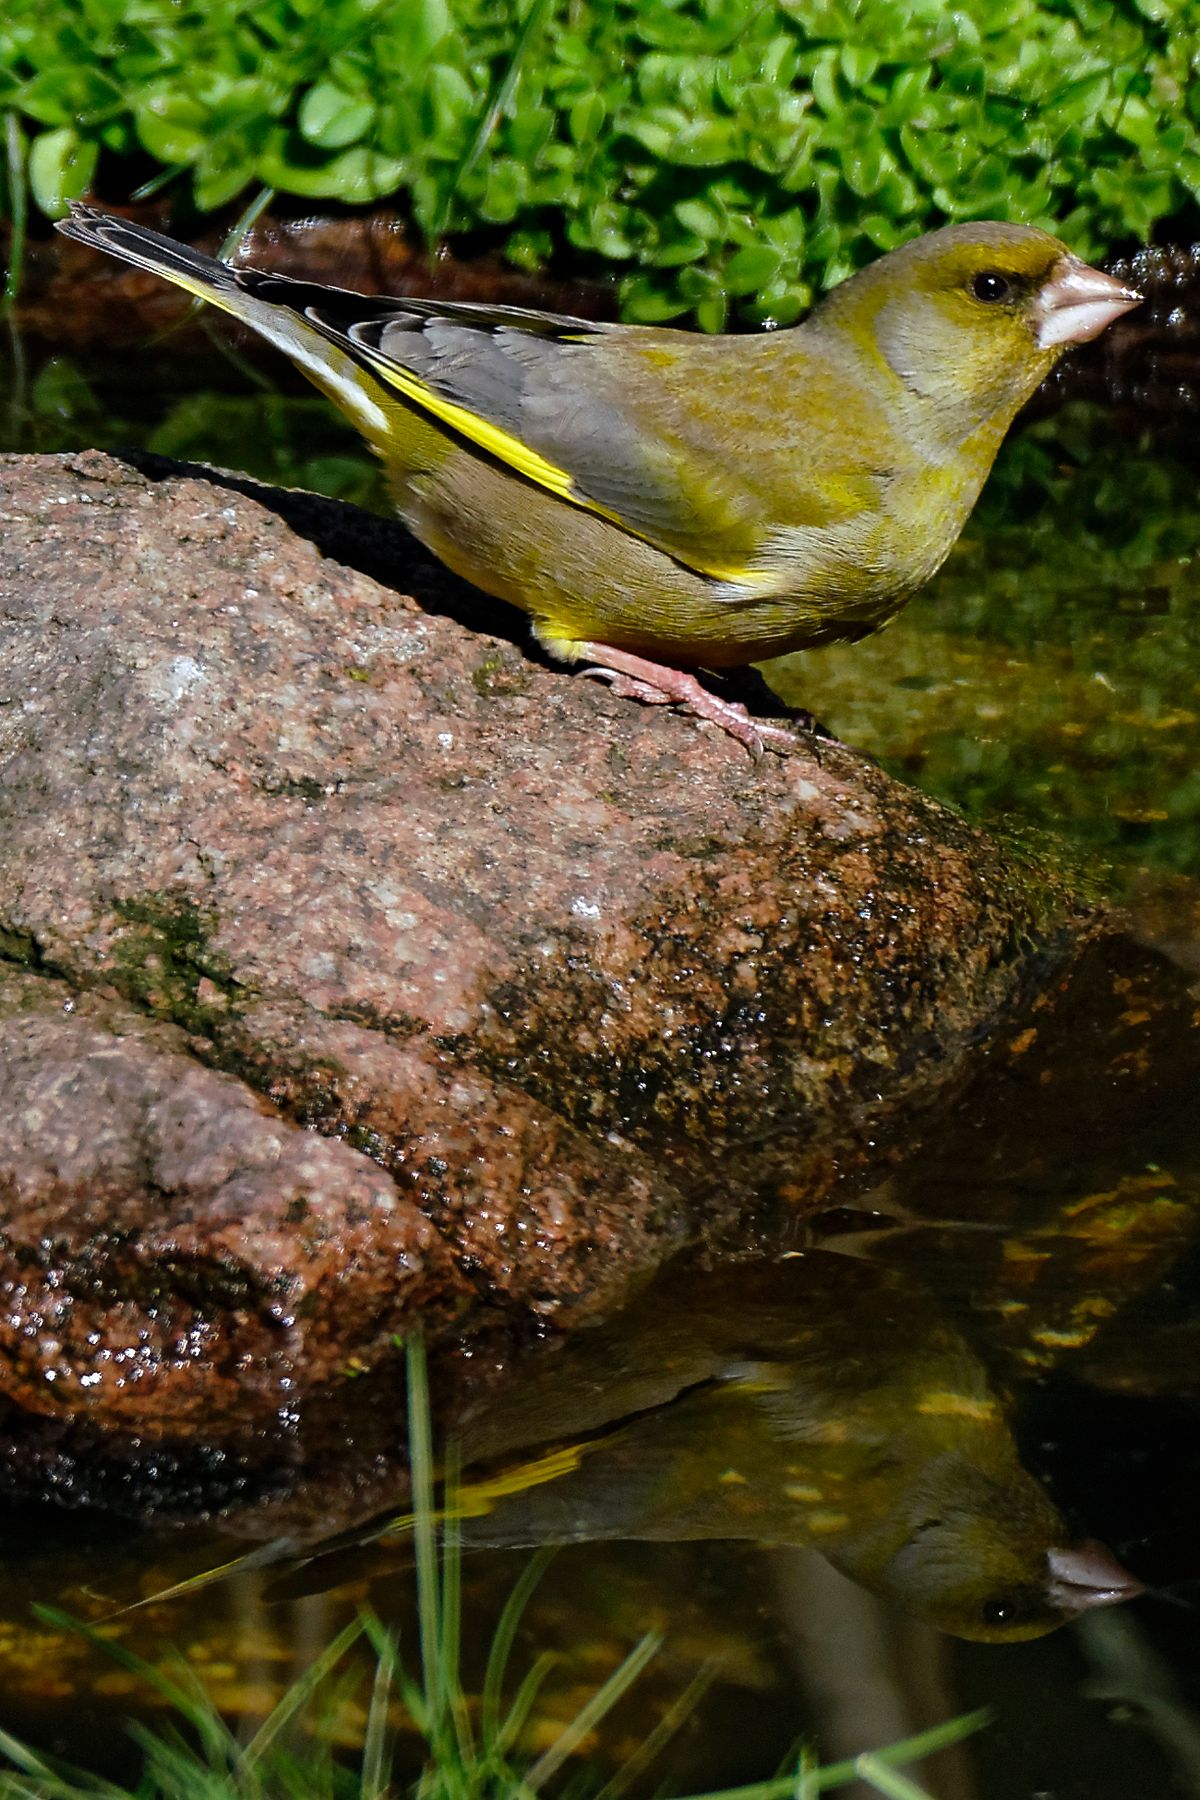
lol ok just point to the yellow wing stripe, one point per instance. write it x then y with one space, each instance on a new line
474 1501
492 438
523 459
199 290
477 1498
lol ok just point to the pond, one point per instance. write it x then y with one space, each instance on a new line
991 1353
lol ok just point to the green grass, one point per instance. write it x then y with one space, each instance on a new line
472 1747
717 155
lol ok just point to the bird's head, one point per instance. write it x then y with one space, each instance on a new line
969 320
982 1553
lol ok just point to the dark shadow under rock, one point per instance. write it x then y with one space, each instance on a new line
318 905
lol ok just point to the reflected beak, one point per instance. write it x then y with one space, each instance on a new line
1078 303
1088 1575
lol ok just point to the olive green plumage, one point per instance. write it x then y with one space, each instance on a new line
703 502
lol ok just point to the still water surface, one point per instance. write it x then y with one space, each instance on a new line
1003 1337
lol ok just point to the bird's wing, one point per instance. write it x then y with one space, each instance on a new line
550 397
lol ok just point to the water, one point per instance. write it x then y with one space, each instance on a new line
1003 1335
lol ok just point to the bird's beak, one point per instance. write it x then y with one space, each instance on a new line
1078 302
1088 1575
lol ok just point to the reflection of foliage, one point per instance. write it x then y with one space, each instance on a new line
1076 496
718 150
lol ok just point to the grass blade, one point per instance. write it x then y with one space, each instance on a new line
502 1642
451 1608
429 1598
841 1774
656 1740
910 1749
513 1722
300 1693
244 223
889 1782
503 93
375 1779
18 200
590 1714
807 1774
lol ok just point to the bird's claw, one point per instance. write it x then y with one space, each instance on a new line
628 687
655 684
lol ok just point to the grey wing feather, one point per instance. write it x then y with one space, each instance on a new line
538 377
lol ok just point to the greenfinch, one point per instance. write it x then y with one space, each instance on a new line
662 502
817 1402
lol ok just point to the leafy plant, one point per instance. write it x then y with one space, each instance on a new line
718 153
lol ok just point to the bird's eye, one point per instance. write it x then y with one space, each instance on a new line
1017 1607
990 286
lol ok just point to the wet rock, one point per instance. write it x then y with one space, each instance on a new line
362 969
159 1214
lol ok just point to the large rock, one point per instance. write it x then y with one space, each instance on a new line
362 968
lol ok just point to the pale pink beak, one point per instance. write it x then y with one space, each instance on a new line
1078 303
1089 1575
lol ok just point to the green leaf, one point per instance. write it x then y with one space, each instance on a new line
61 166
858 64
221 175
704 217
505 191
751 269
824 84
645 302
529 132
451 101
356 175
171 127
862 168
586 118
331 118
423 25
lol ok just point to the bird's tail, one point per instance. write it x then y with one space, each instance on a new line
270 305
471 1500
200 275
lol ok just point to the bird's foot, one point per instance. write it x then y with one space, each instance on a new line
758 692
655 684
627 687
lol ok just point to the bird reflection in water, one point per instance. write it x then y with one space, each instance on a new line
814 1401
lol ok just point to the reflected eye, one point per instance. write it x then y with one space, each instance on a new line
1017 1607
990 286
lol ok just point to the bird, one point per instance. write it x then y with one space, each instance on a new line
662 502
816 1403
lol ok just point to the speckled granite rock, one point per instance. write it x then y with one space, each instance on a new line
317 906
156 1212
